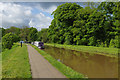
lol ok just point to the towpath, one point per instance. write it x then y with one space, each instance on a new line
40 67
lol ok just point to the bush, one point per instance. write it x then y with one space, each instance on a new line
8 40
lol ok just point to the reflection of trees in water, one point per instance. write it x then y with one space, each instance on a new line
90 65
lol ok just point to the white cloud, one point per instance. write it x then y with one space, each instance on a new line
28 12
20 15
14 15
40 21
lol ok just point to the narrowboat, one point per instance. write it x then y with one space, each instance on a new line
40 45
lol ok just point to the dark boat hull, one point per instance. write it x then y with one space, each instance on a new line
41 47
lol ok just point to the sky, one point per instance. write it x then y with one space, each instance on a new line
31 14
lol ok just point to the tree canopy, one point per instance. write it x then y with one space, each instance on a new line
94 26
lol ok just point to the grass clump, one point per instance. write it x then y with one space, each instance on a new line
67 71
15 62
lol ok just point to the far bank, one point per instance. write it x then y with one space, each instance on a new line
107 51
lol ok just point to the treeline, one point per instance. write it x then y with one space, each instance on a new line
74 25
14 34
90 26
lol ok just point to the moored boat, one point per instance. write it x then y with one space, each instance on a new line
40 45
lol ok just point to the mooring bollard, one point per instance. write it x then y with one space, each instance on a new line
21 44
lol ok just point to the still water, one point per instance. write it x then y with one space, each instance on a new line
91 65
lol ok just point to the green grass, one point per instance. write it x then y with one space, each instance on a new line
91 49
15 62
67 71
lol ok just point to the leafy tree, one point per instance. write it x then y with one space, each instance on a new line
3 32
24 32
16 38
8 40
65 13
13 30
116 14
42 35
33 34
64 17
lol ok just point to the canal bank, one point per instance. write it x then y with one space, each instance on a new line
41 68
67 71
74 63
91 65
111 52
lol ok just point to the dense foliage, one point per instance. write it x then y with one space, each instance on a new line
32 36
8 40
14 34
42 35
73 24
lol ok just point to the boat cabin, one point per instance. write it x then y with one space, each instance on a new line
39 44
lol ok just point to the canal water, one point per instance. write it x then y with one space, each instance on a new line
91 65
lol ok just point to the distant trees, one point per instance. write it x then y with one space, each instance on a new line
43 35
24 32
14 34
32 36
13 30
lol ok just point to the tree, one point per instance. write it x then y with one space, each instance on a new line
8 40
111 12
64 17
13 30
116 13
33 34
65 13
3 32
24 32
43 35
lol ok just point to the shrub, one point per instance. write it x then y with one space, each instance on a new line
8 40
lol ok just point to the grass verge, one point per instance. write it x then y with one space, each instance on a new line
15 62
67 71
112 52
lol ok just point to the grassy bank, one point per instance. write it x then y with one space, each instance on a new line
67 71
15 62
91 49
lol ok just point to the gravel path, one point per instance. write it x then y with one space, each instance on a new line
40 67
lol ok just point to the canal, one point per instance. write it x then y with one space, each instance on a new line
91 65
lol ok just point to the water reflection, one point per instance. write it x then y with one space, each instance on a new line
93 66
